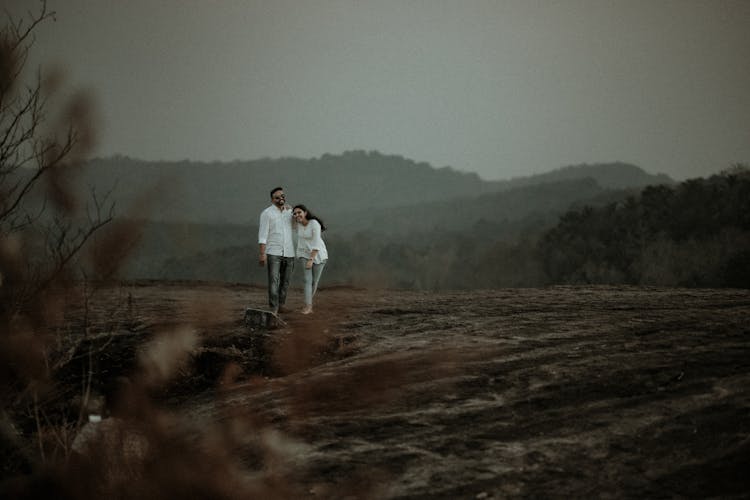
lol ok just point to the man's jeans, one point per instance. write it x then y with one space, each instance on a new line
312 277
279 274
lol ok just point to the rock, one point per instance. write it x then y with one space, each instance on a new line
260 319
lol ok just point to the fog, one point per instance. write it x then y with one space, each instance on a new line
502 89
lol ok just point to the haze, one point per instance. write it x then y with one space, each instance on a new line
501 88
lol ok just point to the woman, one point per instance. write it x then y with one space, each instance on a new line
311 251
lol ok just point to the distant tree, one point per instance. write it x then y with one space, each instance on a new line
692 234
736 270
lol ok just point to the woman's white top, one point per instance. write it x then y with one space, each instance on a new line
309 239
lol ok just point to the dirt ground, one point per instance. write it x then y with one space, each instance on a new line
566 392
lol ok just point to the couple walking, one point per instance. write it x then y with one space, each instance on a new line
277 225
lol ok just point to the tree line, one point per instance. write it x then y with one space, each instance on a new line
693 234
696 233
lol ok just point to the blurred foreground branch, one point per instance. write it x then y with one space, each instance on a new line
44 140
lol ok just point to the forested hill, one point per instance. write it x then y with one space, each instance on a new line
503 213
696 233
236 192
616 175
354 181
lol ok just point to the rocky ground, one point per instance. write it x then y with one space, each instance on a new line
556 392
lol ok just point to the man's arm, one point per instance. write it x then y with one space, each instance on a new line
262 258
263 228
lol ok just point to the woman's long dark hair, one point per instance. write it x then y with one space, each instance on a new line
310 216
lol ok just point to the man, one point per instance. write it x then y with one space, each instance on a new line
277 248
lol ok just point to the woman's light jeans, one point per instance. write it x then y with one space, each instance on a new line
312 277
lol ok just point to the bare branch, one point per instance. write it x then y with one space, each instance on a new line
22 34
15 42
48 156
9 142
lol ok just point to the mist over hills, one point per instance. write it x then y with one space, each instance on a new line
616 175
199 220
397 223
236 192
503 213
335 185
503 216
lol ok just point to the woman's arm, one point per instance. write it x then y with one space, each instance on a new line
315 244
317 239
311 260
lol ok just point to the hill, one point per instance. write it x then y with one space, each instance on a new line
226 252
519 207
615 175
236 192
399 215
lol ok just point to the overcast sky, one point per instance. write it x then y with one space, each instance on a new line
503 88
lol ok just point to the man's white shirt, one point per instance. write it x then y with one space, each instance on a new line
275 231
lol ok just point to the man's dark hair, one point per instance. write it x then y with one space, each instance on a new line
276 189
